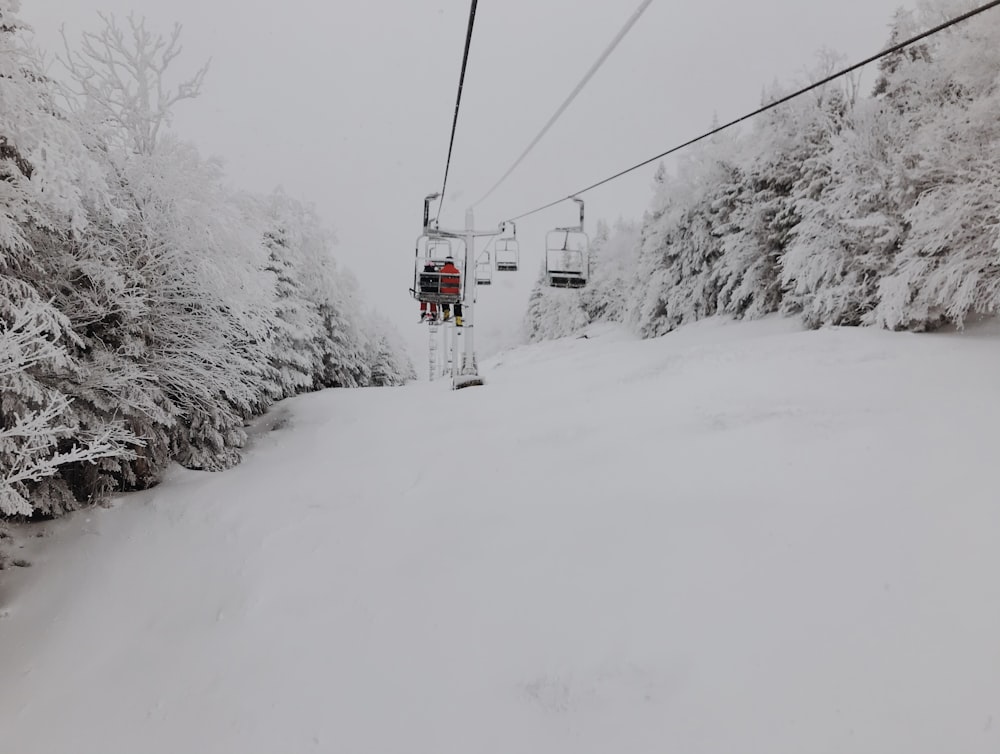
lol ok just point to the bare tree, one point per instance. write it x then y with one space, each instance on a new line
120 74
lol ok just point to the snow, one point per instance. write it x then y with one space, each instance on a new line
740 537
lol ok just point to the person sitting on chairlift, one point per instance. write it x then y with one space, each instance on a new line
430 284
451 285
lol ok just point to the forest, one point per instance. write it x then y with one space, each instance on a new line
148 310
842 207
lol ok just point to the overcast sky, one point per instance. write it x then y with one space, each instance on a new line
348 104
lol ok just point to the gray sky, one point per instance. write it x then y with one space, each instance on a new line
348 104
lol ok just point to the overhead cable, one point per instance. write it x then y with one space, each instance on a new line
771 105
458 101
572 96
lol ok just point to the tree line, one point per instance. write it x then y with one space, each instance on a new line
842 208
147 309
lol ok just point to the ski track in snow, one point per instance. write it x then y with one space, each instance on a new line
739 537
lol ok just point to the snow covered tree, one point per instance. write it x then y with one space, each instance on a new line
296 334
140 297
894 84
344 358
383 371
763 214
45 178
948 266
188 245
655 273
553 312
36 439
613 260
390 365
842 209
201 261
678 268
829 266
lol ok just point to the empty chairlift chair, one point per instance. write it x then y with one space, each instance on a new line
484 269
567 256
506 249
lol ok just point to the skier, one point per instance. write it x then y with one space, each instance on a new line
430 284
451 285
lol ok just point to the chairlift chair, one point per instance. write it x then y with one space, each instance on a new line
484 269
567 255
507 252
432 250
566 258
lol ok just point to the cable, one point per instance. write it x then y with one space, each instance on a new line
895 48
458 101
572 96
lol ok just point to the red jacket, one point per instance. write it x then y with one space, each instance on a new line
450 280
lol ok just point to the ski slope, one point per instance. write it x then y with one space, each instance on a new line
740 537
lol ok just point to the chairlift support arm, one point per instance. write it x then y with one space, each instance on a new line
575 228
427 209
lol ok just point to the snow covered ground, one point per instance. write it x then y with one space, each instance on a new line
737 538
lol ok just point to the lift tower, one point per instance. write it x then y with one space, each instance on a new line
465 369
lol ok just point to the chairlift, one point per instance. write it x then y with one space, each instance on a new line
433 250
506 249
567 255
484 269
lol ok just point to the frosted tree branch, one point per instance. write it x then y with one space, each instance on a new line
121 74
29 440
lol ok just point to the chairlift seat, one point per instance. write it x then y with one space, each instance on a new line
425 291
558 279
439 298
507 253
567 258
484 269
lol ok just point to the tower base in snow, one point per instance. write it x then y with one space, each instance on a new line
466 380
